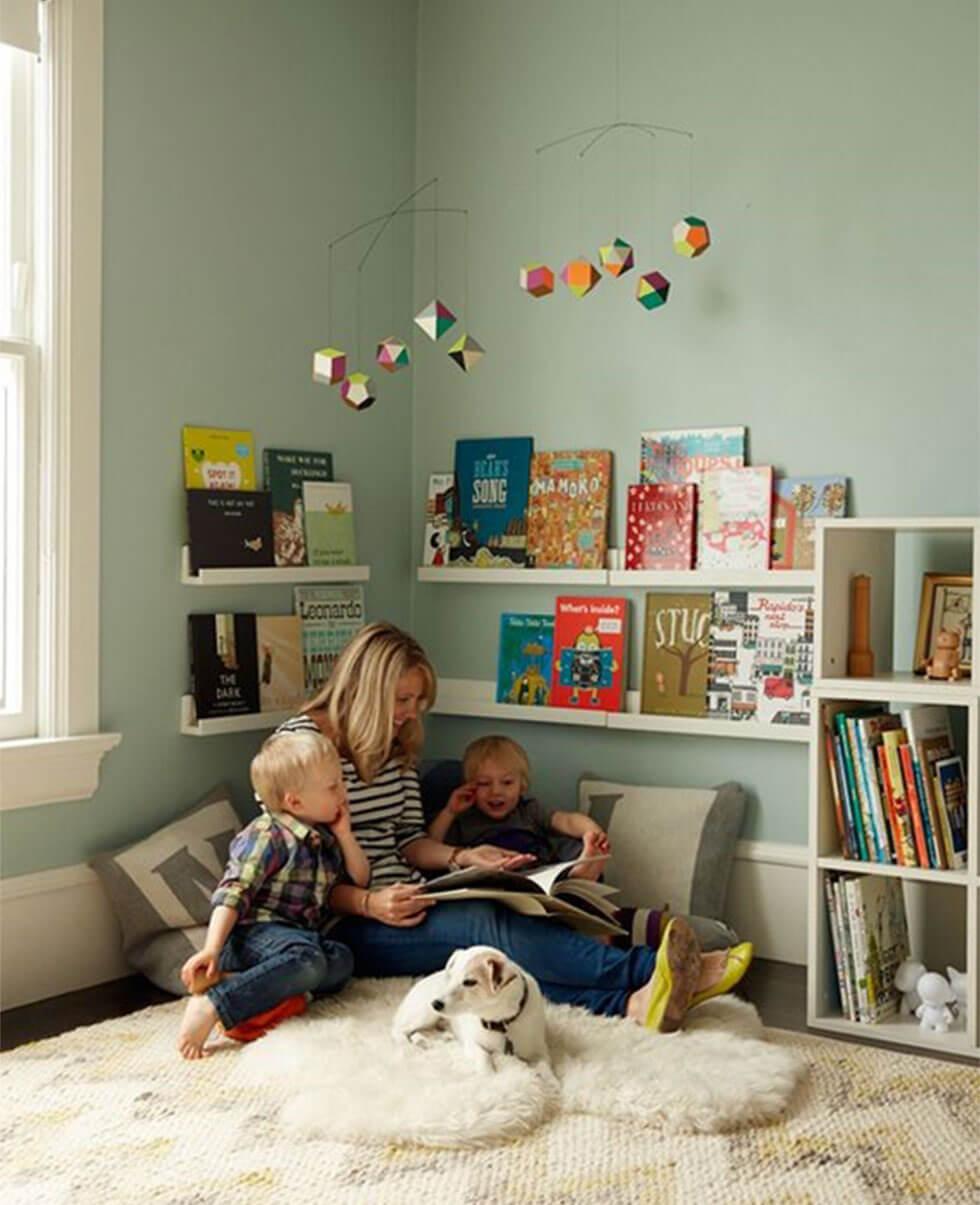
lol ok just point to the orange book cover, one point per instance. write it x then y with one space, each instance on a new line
568 511
890 810
912 794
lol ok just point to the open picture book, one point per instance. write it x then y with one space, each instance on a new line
541 891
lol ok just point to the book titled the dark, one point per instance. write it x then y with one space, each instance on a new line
229 529
224 664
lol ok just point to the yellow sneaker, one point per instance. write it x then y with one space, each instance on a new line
674 978
737 963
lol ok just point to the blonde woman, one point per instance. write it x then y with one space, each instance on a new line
372 708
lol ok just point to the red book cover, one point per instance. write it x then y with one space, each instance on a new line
589 667
660 526
912 794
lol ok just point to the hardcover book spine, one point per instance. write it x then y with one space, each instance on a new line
915 806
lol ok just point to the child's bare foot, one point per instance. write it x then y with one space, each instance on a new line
200 1017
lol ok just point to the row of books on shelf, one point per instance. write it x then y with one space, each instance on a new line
898 786
301 517
243 663
738 655
870 938
697 503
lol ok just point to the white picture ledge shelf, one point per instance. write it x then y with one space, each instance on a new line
272 576
664 579
254 721
474 698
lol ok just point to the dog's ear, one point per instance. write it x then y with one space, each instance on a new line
453 959
496 970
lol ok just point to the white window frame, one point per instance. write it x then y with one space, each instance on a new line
61 762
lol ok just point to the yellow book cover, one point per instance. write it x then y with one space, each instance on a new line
216 458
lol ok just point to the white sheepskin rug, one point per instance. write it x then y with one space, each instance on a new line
358 1083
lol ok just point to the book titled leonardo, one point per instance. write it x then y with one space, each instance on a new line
493 480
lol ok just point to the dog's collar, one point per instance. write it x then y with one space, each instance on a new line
501 1026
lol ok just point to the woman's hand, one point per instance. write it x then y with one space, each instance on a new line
492 857
400 905
462 799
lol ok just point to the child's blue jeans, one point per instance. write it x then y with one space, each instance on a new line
273 962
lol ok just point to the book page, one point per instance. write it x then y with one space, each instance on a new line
547 876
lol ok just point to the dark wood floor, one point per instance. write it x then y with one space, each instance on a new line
777 989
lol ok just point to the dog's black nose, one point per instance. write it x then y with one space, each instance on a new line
438 1005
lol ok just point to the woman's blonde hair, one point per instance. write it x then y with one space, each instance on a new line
358 699
284 764
498 748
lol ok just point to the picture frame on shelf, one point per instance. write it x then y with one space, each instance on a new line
946 602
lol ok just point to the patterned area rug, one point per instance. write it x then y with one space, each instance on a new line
109 1114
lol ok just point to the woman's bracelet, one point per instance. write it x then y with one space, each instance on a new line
452 863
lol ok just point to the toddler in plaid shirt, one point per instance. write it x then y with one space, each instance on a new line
265 942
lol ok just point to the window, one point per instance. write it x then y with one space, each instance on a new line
50 348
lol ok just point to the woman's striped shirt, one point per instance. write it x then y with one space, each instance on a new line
386 814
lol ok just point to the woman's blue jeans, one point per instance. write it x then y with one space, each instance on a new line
571 968
274 961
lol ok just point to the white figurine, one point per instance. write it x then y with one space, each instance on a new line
906 977
936 994
957 981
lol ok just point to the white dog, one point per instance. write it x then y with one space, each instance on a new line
490 1004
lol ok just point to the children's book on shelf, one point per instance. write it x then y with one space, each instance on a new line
229 529
950 782
492 484
683 455
440 513
897 790
216 458
761 660
524 660
568 509
279 641
589 658
224 664
284 472
930 739
330 617
329 508
843 957
876 927
735 519
676 648
661 526
546 891
796 505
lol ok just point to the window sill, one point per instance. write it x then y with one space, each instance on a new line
53 770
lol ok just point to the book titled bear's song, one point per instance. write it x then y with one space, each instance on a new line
493 482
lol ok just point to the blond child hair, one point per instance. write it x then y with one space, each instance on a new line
496 748
284 763
358 698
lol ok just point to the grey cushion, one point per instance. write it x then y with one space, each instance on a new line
672 845
160 887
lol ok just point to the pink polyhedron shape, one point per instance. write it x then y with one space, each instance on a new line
537 279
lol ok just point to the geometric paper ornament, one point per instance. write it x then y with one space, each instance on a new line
356 391
537 279
435 319
466 352
616 257
691 237
580 276
652 290
392 354
329 365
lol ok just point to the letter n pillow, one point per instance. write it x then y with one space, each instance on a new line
672 845
160 888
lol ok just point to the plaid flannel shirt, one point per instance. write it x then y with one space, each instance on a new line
280 869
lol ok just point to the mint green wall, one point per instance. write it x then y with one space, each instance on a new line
835 315
240 136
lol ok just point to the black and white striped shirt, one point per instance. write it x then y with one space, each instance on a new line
386 814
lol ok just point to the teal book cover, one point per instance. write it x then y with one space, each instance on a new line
284 472
329 511
524 662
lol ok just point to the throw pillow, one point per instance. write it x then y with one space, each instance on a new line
671 845
160 887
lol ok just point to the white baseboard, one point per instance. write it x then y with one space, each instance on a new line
767 898
57 934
